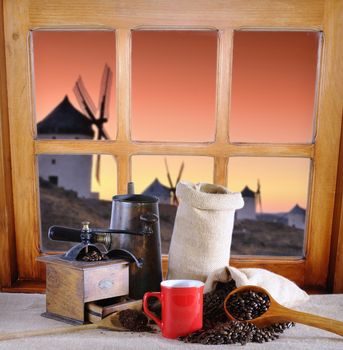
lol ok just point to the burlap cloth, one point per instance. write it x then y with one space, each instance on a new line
19 312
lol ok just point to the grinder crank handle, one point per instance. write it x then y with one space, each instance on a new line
67 234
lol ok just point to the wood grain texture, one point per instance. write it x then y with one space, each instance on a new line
129 14
338 272
123 173
223 84
26 287
337 241
223 15
326 148
220 171
65 292
7 238
336 253
24 173
106 282
294 269
223 101
123 59
70 284
217 149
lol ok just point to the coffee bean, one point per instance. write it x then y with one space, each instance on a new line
90 256
218 329
248 305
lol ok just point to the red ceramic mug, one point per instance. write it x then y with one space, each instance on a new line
182 304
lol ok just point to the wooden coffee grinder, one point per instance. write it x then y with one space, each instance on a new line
86 273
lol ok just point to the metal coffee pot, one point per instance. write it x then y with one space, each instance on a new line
128 212
134 235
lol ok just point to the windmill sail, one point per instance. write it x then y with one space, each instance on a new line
105 92
258 195
87 105
168 174
83 98
180 173
173 198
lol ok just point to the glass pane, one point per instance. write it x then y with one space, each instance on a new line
71 192
274 78
150 175
275 192
173 85
74 84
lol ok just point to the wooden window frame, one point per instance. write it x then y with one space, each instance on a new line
19 181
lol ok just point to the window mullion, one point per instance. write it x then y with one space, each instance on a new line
123 83
123 51
220 170
223 99
223 84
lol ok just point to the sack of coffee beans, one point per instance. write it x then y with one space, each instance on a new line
284 291
201 239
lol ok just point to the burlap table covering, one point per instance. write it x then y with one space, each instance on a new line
19 312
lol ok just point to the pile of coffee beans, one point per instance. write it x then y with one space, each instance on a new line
134 321
247 305
217 329
213 311
90 256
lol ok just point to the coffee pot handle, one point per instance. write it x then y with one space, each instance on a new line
146 297
148 220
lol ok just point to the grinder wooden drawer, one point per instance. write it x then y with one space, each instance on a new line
106 282
71 284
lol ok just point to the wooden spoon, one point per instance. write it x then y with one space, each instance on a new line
110 322
277 313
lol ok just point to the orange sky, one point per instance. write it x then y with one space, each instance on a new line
283 181
273 86
172 71
173 99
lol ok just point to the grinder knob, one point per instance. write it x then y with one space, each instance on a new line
86 233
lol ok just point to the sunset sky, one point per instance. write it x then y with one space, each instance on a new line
173 99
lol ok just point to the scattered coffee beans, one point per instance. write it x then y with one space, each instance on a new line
134 320
233 332
248 305
219 330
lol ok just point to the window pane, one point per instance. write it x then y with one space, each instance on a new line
275 191
149 174
274 78
70 193
173 85
60 60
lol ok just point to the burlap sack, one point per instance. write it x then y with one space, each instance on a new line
201 239
284 291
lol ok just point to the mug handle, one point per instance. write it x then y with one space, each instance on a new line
146 297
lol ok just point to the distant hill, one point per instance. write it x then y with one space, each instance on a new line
63 207
253 237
